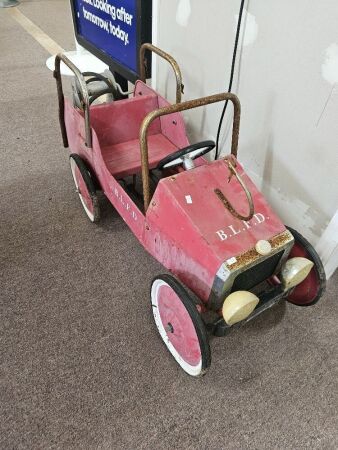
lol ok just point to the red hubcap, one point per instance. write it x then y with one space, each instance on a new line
178 325
307 290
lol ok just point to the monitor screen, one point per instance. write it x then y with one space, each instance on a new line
113 30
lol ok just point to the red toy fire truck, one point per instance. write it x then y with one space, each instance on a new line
230 256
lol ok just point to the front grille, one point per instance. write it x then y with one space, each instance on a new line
256 274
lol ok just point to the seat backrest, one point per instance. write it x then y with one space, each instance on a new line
172 126
120 121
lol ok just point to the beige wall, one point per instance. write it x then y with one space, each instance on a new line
288 68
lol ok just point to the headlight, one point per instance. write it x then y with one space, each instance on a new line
295 271
238 306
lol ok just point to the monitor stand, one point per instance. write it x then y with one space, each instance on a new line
85 61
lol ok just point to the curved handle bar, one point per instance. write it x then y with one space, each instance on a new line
110 82
98 94
96 77
226 202
177 108
84 94
171 61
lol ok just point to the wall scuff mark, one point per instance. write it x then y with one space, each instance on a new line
183 12
249 31
327 247
292 147
330 65
325 106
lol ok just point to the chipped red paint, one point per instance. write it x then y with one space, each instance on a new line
116 150
186 238
192 238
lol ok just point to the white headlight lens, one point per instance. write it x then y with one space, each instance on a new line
295 271
238 306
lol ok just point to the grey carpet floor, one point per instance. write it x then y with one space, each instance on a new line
82 365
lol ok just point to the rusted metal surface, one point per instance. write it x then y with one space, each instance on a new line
226 202
179 108
281 245
229 206
171 61
248 258
84 100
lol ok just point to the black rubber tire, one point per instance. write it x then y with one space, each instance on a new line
191 307
318 266
98 77
90 184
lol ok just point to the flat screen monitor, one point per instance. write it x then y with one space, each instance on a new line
113 30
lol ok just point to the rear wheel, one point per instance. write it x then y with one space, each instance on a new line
180 325
309 291
85 187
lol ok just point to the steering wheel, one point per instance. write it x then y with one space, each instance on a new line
191 152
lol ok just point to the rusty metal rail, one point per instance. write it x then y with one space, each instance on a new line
84 94
84 90
225 201
171 61
178 108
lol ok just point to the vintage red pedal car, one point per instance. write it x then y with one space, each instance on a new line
230 255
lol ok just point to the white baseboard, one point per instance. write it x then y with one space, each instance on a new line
327 247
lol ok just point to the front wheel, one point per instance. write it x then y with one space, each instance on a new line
180 325
309 291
